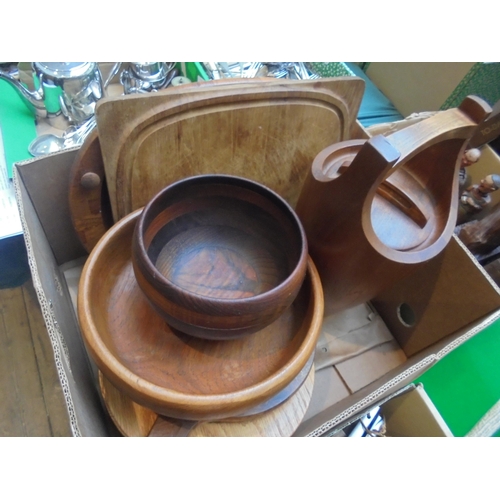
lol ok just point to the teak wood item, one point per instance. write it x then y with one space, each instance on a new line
89 203
482 236
219 257
489 130
373 220
133 420
265 130
174 374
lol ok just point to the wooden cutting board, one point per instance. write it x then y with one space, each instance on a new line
266 130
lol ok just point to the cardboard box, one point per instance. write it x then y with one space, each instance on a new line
452 299
417 86
409 413
428 86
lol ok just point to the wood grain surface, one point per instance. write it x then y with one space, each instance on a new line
268 131
89 204
174 374
132 420
482 236
363 240
218 256
31 398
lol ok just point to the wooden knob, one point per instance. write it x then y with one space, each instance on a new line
90 180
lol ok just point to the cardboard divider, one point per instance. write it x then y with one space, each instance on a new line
450 292
408 413
76 371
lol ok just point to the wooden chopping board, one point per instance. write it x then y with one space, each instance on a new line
265 130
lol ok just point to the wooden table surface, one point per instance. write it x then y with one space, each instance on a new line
31 399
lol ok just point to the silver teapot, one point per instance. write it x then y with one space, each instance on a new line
65 93
143 77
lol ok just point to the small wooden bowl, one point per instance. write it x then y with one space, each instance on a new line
218 256
179 375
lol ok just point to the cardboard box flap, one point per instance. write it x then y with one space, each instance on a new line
414 414
368 396
393 381
85 411
47 182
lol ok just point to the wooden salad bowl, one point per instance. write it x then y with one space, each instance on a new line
219 256
175 374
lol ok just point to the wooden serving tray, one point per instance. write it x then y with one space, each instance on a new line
265 130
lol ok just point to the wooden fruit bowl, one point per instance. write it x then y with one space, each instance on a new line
219 256
178 375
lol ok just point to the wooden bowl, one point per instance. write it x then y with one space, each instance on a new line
179 375
219 256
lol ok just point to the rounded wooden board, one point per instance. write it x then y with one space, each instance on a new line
133 420
89 204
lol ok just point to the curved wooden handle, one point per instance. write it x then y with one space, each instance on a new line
455 123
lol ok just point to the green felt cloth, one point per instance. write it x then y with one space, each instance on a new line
465 384
17 124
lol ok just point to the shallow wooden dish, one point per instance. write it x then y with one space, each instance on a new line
219 256
174 374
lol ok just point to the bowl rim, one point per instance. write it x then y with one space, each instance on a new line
175 401
159 279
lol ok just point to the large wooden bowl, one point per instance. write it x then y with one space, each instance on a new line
219 256
179 375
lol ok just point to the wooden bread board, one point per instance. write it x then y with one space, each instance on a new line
265 130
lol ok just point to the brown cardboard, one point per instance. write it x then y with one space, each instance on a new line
77 373
417 86
329 388
48 190
348 334
446 321
359 371
408 413
413 414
